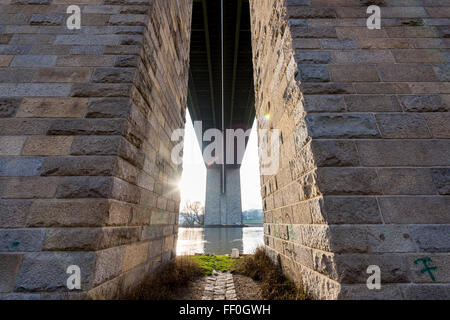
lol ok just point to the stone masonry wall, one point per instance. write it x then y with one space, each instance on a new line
365 156
86 117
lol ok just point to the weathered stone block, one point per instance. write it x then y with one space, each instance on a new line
21 240
100 90
95 145
313 73
8 107
348 239
440 261
335 153
108 108
5 60
46 271
11 146
404 153
84 187
20 167
62 75
340 44
68 213
326 103
113 75
351 210
100 127
439 124
313 57
78 166
372 103
52 108
329 126
128 20
126 61
33 61
302 32
423 103
443 72
351 268
348 181
426 292
89 239
35 90
135 255
359 73
419 56
441 178
47 146
431 238
406 72
296 12
105 270
403 126
14 213
390 238
9 267
363 56
87 50
47 19
30 188
417 210
406 181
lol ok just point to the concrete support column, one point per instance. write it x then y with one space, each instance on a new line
223 209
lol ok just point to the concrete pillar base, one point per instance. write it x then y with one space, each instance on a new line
223 209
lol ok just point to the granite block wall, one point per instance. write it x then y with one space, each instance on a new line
365 148
86 116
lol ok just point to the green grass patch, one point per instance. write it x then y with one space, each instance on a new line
218 263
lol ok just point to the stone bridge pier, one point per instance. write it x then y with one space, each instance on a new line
86 118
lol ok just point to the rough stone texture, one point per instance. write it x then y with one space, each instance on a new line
85 171
365 155
86 118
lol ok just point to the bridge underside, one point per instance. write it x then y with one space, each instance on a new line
205 93
86 118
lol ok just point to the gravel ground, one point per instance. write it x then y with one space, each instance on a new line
247 288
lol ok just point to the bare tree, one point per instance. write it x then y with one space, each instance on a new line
193 214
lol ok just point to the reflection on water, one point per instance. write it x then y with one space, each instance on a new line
219 241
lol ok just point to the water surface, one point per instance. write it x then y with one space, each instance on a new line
219 241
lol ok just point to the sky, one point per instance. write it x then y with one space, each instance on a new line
193 180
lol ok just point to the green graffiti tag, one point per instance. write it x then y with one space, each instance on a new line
291 233
15 244
276 227
427 269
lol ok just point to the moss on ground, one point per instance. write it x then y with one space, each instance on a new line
218 263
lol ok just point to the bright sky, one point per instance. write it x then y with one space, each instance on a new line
193 181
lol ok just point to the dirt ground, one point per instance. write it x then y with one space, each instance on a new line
246 288
194 291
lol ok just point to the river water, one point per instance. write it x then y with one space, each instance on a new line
219 241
